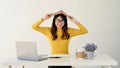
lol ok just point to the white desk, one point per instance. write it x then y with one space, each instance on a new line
100 60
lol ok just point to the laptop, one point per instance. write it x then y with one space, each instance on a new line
26 50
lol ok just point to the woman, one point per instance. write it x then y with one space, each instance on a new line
59 34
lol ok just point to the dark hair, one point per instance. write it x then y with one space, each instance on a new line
65 35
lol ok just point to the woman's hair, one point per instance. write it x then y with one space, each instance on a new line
65 35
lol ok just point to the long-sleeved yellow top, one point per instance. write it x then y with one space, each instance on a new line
59 46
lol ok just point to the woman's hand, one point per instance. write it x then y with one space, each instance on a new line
47 16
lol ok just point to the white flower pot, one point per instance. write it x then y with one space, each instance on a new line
90 55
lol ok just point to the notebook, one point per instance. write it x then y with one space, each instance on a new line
26 50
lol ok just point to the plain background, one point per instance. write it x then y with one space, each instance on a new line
100 17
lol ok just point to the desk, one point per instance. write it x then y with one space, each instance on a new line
99 60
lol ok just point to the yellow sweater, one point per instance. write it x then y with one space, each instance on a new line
59 46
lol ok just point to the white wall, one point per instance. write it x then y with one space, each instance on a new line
100 17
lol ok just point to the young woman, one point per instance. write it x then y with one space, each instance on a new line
59 34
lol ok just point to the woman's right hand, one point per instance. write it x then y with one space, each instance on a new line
47 16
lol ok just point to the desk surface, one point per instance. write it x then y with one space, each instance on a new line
100 60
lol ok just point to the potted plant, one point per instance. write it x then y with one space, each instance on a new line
90 48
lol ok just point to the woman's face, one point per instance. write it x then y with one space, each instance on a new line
59 22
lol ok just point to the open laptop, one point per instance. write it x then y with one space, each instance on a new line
26 50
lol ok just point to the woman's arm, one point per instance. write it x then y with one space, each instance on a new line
47 16
37 23
81 30
36 26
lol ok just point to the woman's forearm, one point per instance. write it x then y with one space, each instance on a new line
37 23
81 27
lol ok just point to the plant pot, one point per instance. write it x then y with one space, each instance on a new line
90 55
